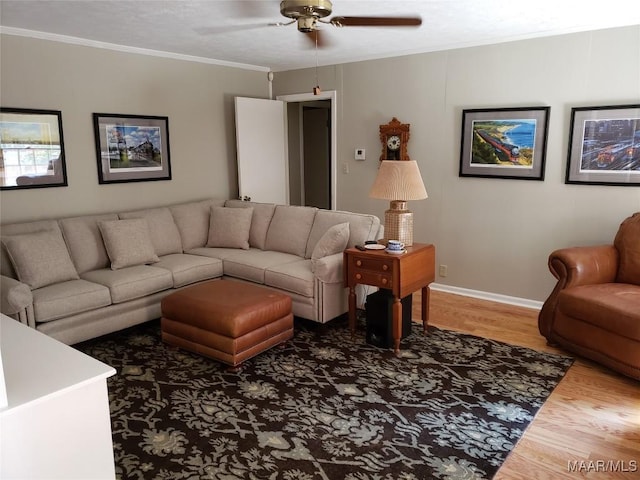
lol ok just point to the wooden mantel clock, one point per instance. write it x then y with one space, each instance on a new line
394 137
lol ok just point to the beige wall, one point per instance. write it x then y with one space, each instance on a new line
78 80
494 235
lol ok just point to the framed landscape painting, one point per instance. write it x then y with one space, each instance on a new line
31 149
131 148
604 146
504 143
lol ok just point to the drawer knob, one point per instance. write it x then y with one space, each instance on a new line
359 263
384 281
358 276
385 267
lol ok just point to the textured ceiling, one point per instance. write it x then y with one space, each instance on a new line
238 31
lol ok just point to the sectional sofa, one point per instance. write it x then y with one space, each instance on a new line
81 277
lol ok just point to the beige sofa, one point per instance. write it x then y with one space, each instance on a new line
82 277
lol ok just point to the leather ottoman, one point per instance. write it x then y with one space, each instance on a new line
226 320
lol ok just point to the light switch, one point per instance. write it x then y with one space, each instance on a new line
360 154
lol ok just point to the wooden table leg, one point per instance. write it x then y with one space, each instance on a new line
352 311
426 292
397 323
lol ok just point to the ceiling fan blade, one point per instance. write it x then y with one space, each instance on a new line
319 36
376 21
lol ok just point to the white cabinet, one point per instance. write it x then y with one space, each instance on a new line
56 423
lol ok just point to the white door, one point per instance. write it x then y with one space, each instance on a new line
262 157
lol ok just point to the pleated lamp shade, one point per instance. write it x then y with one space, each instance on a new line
398 181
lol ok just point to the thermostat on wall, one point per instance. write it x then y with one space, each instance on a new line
360 154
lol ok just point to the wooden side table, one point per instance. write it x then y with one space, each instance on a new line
402 274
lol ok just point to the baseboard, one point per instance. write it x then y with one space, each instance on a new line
494 297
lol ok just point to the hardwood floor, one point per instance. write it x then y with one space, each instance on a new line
590 425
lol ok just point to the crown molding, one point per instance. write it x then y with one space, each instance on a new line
20 32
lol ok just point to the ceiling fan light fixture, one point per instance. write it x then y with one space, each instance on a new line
307 24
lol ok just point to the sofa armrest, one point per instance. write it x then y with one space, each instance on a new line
15 296
328 269
573 267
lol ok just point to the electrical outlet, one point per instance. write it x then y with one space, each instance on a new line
360 154
443 270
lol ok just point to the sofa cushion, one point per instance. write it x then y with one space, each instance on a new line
192 220
127 242
333 241
68 298
293 277
6 267
362 227
164 233
262 215
84 240
213 252
289 229
627 242
40 258
131 282
251 264
187 269
229 227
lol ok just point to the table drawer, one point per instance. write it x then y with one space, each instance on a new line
381 265
376 279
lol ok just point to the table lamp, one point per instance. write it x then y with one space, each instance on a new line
398 181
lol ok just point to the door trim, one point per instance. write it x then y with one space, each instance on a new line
309 97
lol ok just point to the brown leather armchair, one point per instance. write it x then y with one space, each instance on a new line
594 310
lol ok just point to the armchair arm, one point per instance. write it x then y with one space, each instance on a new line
15 297
573 267
584 265
328 269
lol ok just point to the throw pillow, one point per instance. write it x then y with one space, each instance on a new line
627 242
40 258
262 215
333 241
230 227
128 242
163 231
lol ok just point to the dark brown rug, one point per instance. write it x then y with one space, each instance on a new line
452 406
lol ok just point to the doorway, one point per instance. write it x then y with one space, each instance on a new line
311 148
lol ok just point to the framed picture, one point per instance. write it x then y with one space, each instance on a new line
604 146
131 148
31 149
504 143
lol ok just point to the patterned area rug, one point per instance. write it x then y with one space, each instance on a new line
323 407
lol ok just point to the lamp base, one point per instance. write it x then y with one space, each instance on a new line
398 223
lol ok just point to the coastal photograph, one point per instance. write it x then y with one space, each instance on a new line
503 143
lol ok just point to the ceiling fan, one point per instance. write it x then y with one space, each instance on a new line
309 13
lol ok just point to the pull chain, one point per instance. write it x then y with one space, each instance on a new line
316 89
